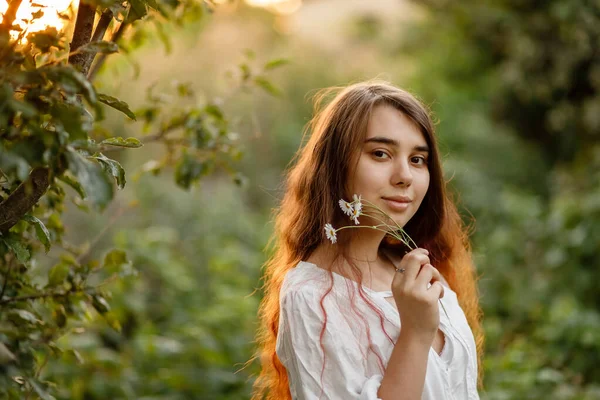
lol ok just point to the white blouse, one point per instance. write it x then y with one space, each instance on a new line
335 361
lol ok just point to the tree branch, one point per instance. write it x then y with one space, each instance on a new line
82 35
72 291
34 296
22 200
102 25
102 57
10 14
25 196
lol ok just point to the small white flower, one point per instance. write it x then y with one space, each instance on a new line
355 215
346 207
330 233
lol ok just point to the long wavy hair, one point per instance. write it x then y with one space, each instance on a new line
318 177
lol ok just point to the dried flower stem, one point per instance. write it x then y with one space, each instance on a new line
395 230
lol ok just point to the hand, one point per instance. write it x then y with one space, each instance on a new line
417 304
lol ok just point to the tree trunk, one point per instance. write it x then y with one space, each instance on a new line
27 195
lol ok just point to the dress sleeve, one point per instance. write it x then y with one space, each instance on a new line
331 368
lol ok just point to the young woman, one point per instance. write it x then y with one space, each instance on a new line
366 317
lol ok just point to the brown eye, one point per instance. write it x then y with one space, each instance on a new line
424 161
380 154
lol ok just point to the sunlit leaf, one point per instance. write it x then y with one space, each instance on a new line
138 10
45 39
116 104
120 142
99 47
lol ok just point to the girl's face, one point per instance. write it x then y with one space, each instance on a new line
392 170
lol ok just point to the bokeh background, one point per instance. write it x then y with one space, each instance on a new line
514 87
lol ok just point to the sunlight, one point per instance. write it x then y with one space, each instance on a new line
50 17
283 7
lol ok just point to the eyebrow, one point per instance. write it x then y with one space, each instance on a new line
392 142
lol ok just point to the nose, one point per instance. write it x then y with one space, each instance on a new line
402 174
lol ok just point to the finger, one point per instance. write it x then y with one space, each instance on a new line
436 290
412 263
426 275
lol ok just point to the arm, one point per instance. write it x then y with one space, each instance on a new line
416 298
405 373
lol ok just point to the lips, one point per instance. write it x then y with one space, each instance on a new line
397 202
399 199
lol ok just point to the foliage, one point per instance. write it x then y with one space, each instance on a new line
162 311
183 326
518 96
52 136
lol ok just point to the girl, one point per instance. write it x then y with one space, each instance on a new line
360 318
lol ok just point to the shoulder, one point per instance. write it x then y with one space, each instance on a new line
305 280
308 288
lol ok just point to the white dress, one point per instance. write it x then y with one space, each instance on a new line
352 370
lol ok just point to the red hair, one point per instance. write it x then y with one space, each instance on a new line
318 178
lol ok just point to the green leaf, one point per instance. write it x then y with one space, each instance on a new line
71 181
40 230
18 247
267 86
114 259
58 274
246 72
116 262
120 142
138 10
276 63
92 178
39 389
163 36
70 79
215 111
26 109
116 104
45 39
12 163
152 4
112 167
25 316
99 47
60 316
100 304
71 119
6 356
189 170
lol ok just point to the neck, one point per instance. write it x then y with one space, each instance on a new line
363 251
364 247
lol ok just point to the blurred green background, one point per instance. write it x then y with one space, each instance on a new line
514 86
